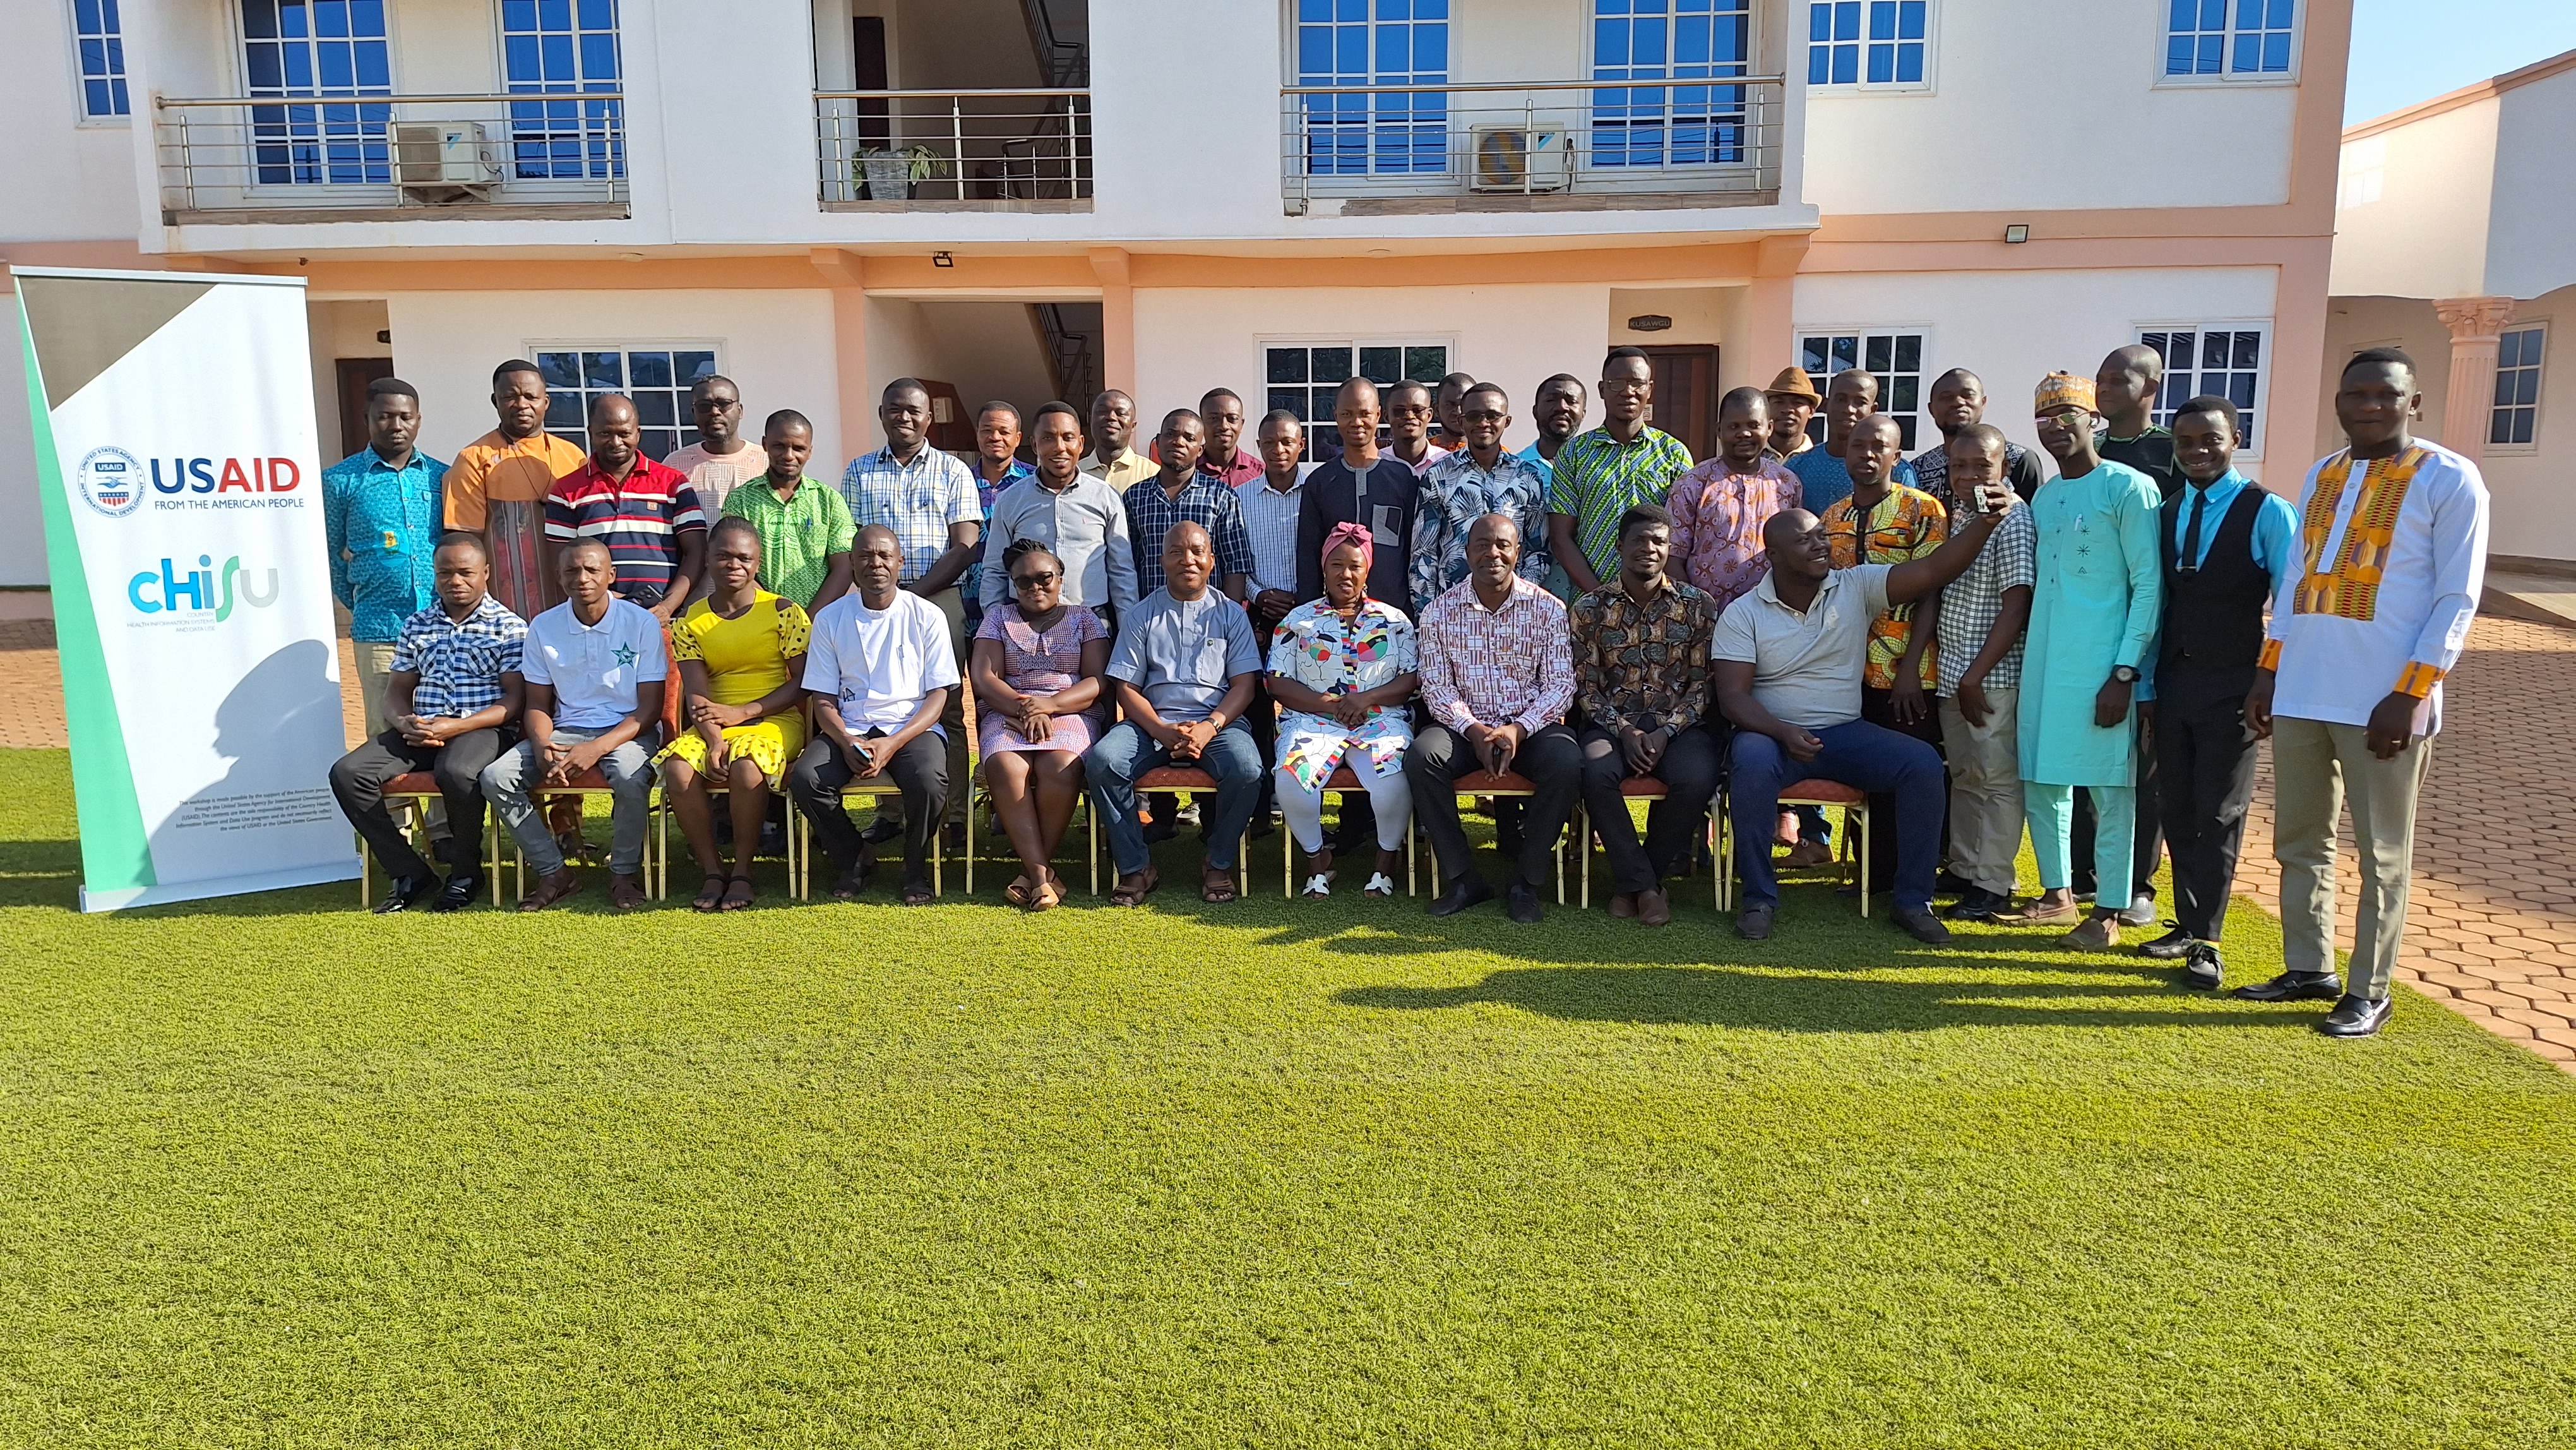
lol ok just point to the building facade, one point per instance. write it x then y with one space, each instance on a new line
2451 240
1033 198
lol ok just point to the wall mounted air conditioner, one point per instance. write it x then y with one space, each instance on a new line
1519 158
444 161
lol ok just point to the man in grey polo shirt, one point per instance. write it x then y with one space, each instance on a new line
1184 667
1079 518
1788 664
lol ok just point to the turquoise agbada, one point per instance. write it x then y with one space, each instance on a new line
2095 606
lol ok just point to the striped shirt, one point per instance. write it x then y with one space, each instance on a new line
1270 522
640 520
919 500
460 665
1597 478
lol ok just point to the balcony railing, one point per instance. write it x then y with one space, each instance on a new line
267 158
1514 145
1006 149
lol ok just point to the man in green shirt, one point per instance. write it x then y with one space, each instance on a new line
805 527
1600 475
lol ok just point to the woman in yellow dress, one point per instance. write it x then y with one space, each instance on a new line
741 654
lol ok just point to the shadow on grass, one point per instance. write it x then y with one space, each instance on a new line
1710 996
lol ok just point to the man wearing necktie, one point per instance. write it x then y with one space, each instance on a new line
2223 542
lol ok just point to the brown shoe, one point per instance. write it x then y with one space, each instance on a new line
625 893
1654 908
1808 853
551 891
2093 934
2037 913
1623 905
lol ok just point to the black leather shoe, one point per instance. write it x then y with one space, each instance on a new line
1522 901
1921 925
2202 967
2292 987
1974 904
405 892
1464 892
1753 923
2355 1017
459 893
1951 883
2173 946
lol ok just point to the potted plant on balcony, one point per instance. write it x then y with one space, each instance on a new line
891 173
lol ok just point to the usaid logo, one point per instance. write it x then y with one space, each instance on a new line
110 481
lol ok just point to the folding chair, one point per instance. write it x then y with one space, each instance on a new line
984 797
411 792
1336 786
1485 783
1189 780
1809 792
1642 788
869 790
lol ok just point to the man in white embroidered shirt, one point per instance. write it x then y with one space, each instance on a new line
2393 542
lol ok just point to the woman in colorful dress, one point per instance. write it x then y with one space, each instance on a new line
741 656
1036 669
1342 670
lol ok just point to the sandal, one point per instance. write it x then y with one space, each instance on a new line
560 887
625 892
1216 888
1017 893
1379 884
743 885
1048 896
711 892
1319 886
917 893
853 881
1125 895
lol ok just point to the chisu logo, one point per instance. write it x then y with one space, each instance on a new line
169 591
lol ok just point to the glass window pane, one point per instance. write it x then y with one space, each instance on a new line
660 443
1879 353
1820 20
688 367
1882 19
1811 354
1847 20
1846 64
2527 386
1909 352
1846 352
1909 64
1820 61
603 370
1882 64
1426 364
559 369
1901 393
649 369
1292 399
2249 348
1382 365
563 411
653 407
1284 365
2524 422
1329 365
1909 20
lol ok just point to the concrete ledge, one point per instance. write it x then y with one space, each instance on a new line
585 211
1515 202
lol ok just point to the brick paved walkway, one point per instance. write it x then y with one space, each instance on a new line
2492 923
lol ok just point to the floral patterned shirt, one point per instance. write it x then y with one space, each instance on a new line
1718 515
1905 524
1644 666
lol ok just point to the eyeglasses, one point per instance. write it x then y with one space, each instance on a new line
1033 581
1482 415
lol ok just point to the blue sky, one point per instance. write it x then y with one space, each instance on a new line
2404 51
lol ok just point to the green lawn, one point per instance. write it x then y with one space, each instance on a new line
279 1173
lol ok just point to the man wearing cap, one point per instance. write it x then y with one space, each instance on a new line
2093 615
1793 399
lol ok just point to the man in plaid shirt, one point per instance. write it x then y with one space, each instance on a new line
451 707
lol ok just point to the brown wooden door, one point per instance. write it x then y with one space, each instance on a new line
355 374
1686 396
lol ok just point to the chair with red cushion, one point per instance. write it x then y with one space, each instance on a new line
1486 783
1190 780
1811 791
1337 785
410 793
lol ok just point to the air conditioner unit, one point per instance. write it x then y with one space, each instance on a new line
1520 158
444 161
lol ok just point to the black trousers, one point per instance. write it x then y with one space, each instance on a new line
2204 783
2146 846
920 771
1689 770
1878 707
1551 759
359 778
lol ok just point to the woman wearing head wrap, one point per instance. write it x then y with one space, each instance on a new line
1342 671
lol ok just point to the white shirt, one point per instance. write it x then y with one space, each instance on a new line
2344 645
594 668
1806 667
880 663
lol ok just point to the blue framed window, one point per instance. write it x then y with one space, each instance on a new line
1372 43
1894 358
1669 40
318 48
2225 360
2230 38
2515 420
100 32
565 47
1304 377
656 377
1868 42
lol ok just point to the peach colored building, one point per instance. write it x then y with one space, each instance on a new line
1028 198
2455 237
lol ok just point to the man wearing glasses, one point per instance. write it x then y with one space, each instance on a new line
722 459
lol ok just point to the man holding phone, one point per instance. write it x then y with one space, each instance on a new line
1789 660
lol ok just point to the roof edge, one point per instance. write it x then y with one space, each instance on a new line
2467 95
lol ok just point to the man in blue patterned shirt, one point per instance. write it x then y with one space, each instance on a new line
380 519
1476 479
452 698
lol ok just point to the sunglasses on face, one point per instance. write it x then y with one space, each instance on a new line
1034 581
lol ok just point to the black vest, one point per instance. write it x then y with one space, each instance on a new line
2213 619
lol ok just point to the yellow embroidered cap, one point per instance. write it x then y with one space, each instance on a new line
2060 391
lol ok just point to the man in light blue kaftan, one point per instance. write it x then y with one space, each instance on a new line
2093 618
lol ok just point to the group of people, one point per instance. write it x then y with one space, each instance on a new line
1978 645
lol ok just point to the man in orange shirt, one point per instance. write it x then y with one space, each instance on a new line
498 484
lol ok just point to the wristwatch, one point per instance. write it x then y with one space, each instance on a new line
2125 674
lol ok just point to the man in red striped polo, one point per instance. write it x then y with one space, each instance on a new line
646 514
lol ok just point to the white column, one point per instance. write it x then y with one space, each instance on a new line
2477 325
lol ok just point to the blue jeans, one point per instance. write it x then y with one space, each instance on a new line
1126 752
1866 757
